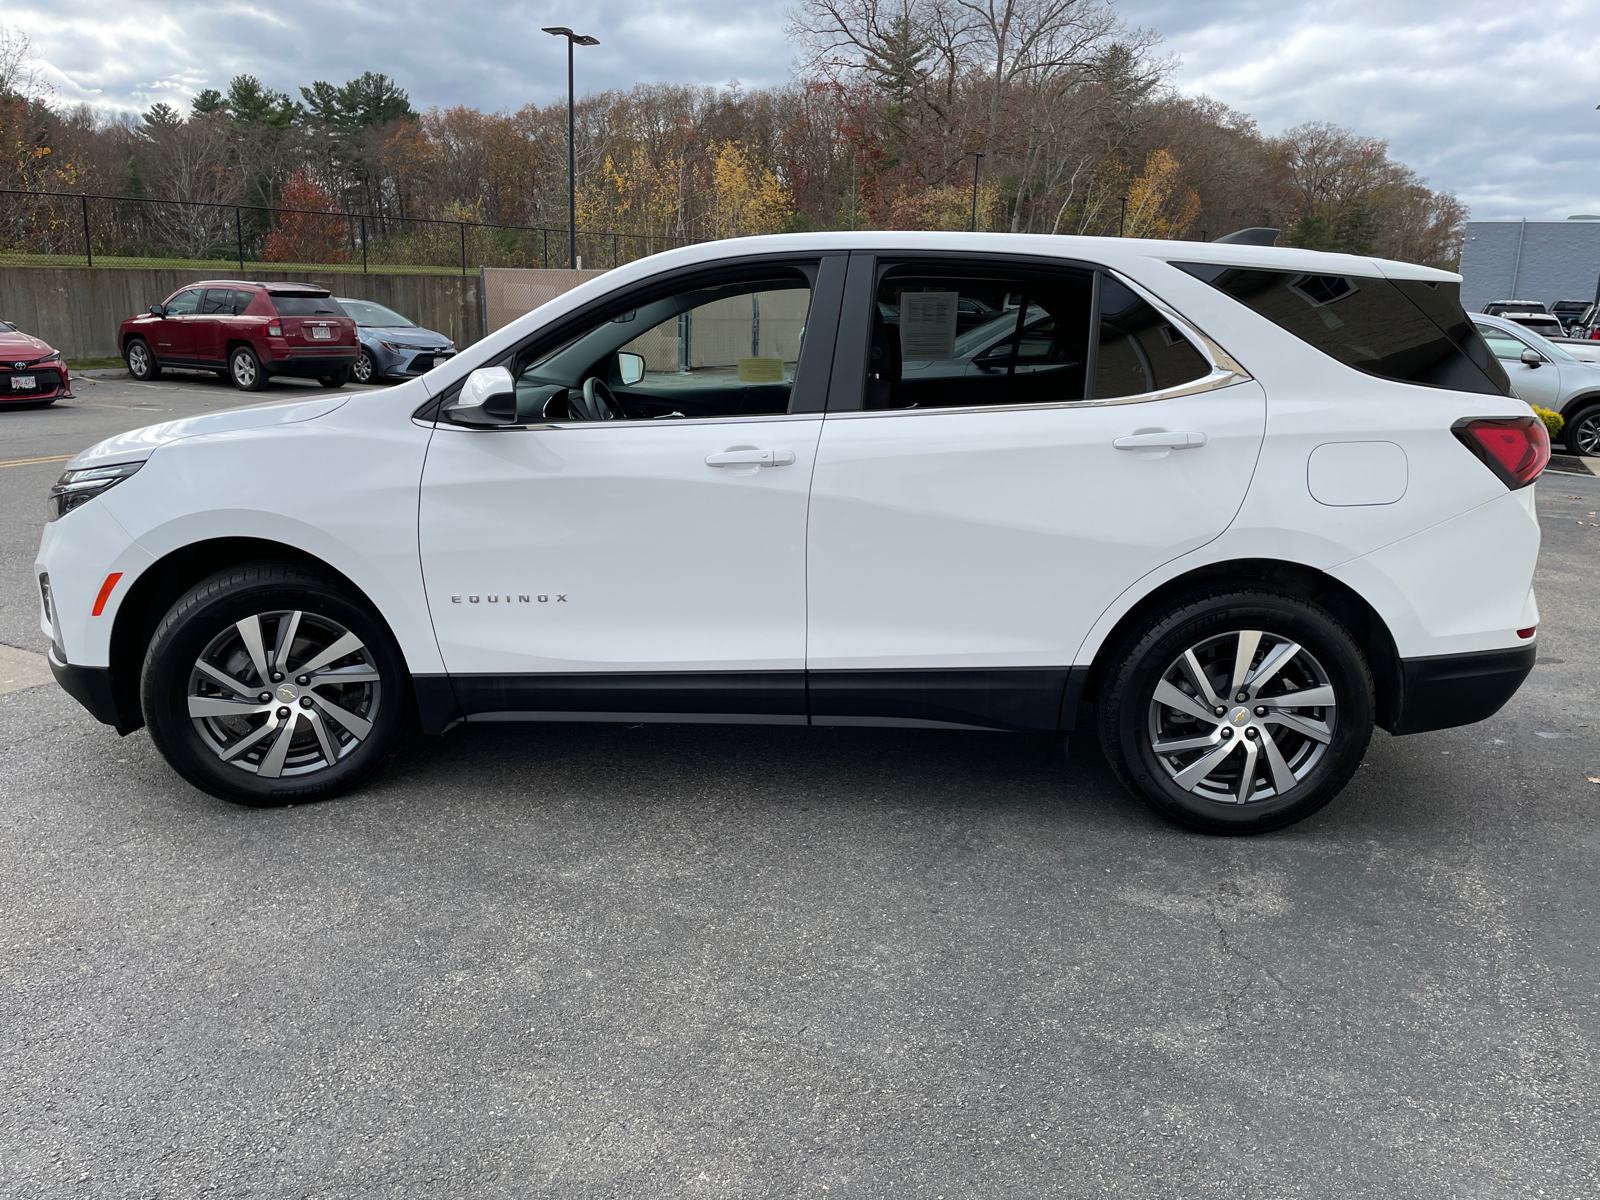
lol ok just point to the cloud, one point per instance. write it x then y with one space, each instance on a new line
1493 101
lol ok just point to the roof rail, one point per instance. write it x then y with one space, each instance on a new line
1258 235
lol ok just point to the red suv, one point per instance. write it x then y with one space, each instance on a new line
246 332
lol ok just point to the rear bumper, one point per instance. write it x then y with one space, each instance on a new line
311 365
1442 691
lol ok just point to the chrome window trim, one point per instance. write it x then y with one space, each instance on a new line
650 423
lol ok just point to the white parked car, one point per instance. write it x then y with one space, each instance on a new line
1236 502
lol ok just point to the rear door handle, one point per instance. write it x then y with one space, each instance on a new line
1160 441
751 458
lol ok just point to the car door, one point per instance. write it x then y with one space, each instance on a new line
639 564
214 323
1539 384
173 335
962 542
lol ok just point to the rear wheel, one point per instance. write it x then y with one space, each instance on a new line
1240 712
336 380
271 684
1582 432
142 364
244 368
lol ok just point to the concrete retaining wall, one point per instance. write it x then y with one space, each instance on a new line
78 309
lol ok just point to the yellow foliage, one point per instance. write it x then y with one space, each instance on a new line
1156 209
747 199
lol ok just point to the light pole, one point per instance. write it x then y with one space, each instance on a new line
976 157
580 39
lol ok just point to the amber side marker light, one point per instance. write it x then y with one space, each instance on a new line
106 589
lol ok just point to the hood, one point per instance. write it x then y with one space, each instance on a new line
414 334
141 443
21 347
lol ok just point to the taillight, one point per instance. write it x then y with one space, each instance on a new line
1516 449
272 329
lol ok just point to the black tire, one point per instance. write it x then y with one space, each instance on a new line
1130 719
336 380
1581 433
244 369
365 369
194 742
141 360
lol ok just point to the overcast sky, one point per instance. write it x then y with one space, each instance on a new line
1487 98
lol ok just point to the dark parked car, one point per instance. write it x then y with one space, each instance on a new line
246 332
391 346
1569 313
31 370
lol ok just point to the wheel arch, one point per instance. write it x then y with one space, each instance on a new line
158 587
1347 605
1578 403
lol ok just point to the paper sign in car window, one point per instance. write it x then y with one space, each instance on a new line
928 325
761 370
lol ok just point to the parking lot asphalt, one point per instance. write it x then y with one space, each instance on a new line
711 961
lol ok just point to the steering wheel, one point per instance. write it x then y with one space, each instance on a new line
597 404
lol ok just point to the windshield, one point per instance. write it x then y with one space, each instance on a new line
1528 337
375 316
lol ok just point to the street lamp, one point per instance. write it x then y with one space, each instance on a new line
580 39
975 159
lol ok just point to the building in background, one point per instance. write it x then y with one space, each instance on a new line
1530 260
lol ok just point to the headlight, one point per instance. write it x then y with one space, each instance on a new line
400 346
53 357
80 487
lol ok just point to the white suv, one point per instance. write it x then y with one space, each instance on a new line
1233 504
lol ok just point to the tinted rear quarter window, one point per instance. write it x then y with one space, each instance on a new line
306 306
1411 331
1139 349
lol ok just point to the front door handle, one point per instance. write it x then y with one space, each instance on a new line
751 458
1161 440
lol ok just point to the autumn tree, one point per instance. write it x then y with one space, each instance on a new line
301 236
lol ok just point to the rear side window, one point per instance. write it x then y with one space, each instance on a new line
1411 331
1139 350
307 306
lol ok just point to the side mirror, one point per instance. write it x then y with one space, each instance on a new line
630 367
158 310
994 357
1532 358
488 397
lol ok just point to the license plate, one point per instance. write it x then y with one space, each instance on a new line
321 331
22 383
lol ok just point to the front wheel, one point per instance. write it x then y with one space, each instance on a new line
365 370
1582 432
271 684
1239 712
244 368
142 364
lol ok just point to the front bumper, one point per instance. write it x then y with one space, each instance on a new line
91 687
50 383
406 364
1446 690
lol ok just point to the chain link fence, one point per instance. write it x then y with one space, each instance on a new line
57 229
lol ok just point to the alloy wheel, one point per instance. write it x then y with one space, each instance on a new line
244 370
1242 717
284 694
138 360
1586 436
362 371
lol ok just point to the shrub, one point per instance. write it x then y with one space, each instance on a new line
1553 421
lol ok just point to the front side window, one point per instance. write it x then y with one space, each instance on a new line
1502 344
184 303
1411 331
728 349
947 338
